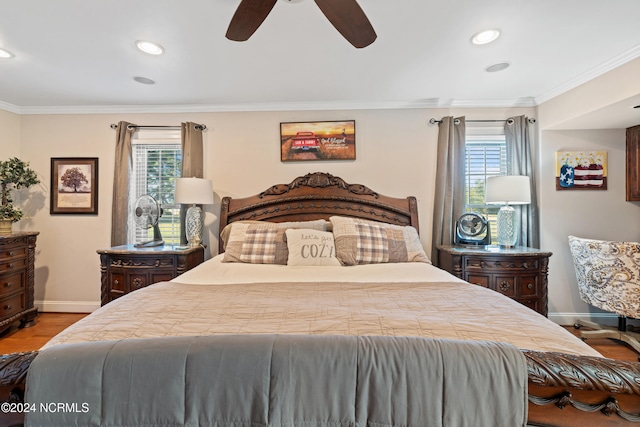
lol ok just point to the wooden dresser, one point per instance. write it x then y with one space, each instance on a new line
17 254
519 273
127 268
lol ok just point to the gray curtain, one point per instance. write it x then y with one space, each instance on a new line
122 171
449 192
520 161
192 162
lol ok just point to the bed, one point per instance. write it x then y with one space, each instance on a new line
379 304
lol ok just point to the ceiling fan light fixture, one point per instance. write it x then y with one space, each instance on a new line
149 47
498 66
5 54
485 37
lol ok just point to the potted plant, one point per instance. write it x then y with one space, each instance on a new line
14 175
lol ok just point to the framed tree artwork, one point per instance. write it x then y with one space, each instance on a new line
74 185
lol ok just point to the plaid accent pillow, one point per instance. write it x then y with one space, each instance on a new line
359 241
371 244
259 246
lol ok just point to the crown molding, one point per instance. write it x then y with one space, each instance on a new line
9 107
601 69
276 106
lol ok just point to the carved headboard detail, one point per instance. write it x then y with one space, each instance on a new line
318 195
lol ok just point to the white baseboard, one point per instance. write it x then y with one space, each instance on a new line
67 306
570 318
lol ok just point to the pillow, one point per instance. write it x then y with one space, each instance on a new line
359 241
262 242
226 231
310 247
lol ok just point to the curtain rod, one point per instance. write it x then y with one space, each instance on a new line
198 127
457 121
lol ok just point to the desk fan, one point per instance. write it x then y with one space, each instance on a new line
147 213
472 229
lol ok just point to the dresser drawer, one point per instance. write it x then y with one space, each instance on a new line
15 264
529 286
506 285
12 305
11 283
478 279
487 263
143 262
8 252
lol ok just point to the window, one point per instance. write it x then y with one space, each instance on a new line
485 156
157 160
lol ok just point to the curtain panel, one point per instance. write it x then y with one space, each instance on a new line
520 161
123 169
192 163
449 191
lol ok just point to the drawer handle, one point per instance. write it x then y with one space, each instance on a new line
157 263
8 285
11 253
530 286
116 282
8 307
10 265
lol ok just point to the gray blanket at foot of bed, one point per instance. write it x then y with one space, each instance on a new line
278 380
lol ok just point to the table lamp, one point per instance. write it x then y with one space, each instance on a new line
194 191
508 190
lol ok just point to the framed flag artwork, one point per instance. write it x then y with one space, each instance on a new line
581 170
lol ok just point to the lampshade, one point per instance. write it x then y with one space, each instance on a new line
197 191
508 189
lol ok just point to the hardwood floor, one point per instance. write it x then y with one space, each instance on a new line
26 339
49 324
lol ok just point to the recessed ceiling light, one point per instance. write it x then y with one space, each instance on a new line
149 47
484 37
5 54
497 67
144 80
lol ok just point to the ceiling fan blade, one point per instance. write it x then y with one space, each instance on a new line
349 19
248 17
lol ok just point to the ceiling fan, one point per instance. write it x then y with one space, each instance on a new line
345 15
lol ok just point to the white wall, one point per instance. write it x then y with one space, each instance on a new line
598 214
396 152
9 135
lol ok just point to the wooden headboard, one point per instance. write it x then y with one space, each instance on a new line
318 195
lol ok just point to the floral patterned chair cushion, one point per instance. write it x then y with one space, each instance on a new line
608 274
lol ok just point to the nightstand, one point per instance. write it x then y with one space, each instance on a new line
127 268
519 273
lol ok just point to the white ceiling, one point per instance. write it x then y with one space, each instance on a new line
79 55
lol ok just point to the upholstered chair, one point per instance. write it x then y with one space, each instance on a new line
608 276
